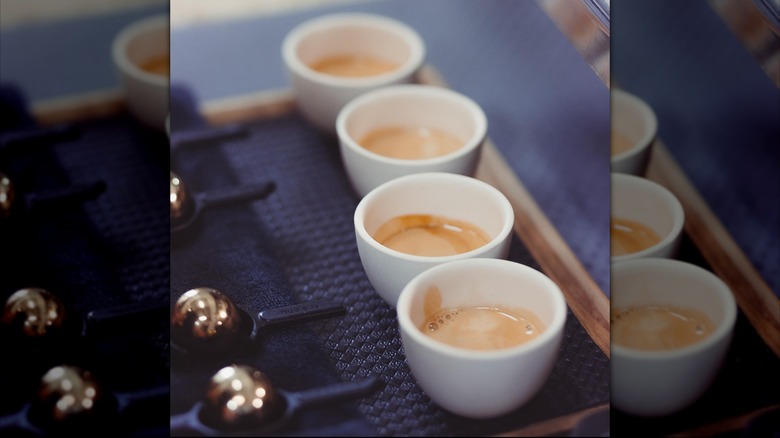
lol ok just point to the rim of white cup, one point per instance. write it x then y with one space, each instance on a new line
413 92
421 178
553 328
718 286
667 196
123 38
407 33
650 118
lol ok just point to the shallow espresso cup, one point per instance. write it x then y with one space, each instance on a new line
481 383
320 95
145 91
448 195
422 110
660 382
652 205
635 126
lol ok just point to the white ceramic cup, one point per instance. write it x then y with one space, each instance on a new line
320 96
482 383
636 120
644 201
655 383
146 93
410 106
448 195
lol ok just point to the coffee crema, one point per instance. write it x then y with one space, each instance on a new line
478 327
409 143
159 65
353 66
430 235
620 142
659 327
627 236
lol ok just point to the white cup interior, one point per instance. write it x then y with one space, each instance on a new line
353 34
649 203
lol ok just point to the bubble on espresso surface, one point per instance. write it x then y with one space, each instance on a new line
483 328
442 318
430 235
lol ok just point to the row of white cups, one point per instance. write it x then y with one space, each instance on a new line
660 382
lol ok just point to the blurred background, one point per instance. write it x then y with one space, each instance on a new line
21 12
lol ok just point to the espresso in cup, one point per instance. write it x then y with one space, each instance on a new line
159 65
659 327
410 143
353 66
478 327
430 235
627 236
620 142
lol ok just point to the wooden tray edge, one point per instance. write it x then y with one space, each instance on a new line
753 295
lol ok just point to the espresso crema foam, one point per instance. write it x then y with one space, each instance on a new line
430 235
627 236
658 327
353 66
410 143
483 328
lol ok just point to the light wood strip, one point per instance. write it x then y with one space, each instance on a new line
723 427
558 426
244 108
586 300
78 108
760 305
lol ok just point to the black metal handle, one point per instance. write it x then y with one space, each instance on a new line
113 320
230 195
334 393
180 140
300 312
